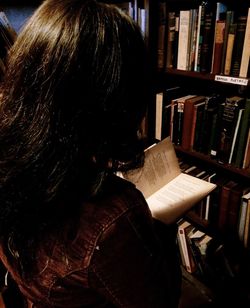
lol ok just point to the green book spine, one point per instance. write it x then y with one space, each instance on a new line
243 135
238 45
229 21
228 125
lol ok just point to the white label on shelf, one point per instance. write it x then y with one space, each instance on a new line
230 79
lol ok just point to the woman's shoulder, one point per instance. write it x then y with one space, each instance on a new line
120 193
118 196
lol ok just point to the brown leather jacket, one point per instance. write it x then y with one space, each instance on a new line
118 256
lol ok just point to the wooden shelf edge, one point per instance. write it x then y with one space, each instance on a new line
203 76
213 162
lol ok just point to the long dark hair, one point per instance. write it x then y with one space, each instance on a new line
72 100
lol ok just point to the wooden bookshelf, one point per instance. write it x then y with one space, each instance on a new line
203 83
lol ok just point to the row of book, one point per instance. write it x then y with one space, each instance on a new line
210 38
203 256
220 266
227 208
193 245
7 38
214 125
136 10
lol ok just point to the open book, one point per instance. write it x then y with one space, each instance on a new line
169 192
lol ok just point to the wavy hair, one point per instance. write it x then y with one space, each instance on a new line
72 99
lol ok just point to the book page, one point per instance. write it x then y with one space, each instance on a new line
177 197
160 167
169 193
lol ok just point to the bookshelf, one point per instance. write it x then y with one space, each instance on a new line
206 81
202 82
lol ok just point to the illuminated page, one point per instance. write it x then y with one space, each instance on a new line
160 167
177 197
169 192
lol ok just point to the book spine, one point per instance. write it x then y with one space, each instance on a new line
162 14
158 115
176 39
242 219
235 136
220 16
201 123
215 131
201 35
208 122
218 46
247 226
183 231
246 50
182 60
170 40
187 126
189 121
229 50
184 248
243 215
243 131
215 199
234 209
198 111
179 122
166 113
246 160
198 39
173 107
207 43
238 45
228 125
229 21
193 37
224 205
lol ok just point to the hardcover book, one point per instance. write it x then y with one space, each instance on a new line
163 111
189 120
225 204
229 48
246 159
177 119
219 30
193 38
176 39
207 40
228 125
198 40
215 130
162 25
184 228
207 122
244 65
242 215
233 214
215 198
236 135
184 40
238 45
229 22
170 39
175 115
169 192
218 46
246 235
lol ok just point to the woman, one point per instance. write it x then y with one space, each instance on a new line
73 97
